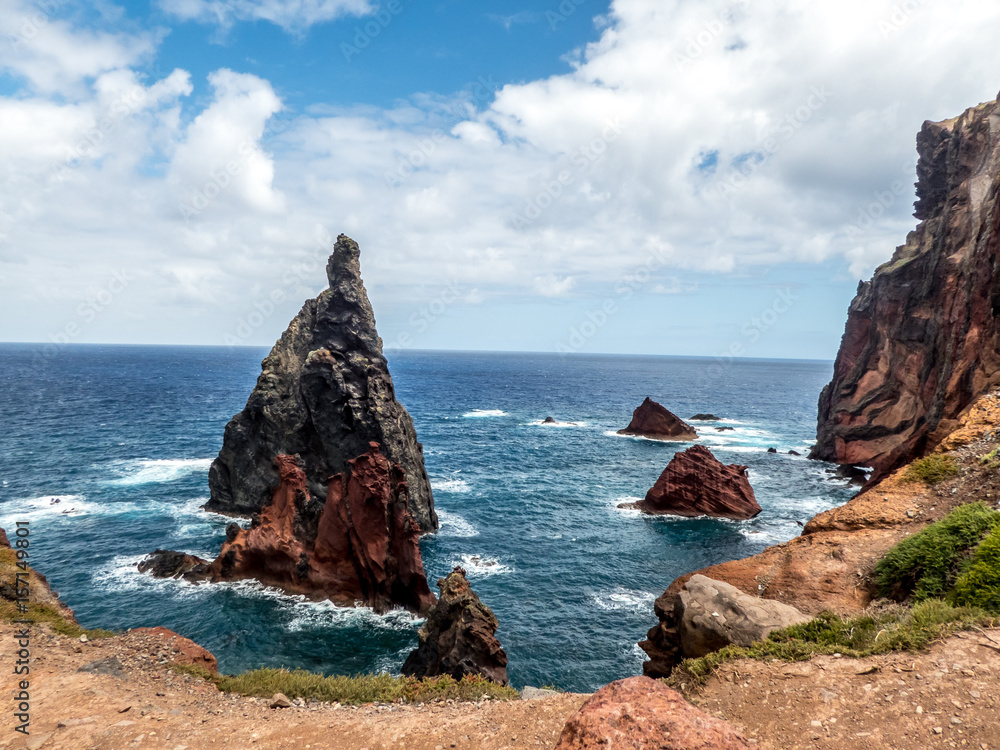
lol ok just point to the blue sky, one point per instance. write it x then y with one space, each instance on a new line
707 177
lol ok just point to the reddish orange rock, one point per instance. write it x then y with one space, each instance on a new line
644 714
4 542
651 420
360 546
696 483
185 651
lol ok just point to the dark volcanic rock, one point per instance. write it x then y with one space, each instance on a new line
705 418
458 638
772 450
725 429
168 564
695 483
639 713
653 421
361 545
548 420
324 394
921 341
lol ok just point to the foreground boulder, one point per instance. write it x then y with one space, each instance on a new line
361 545
459 637
644 714
651 420
324 393
922 340
712 615
695 483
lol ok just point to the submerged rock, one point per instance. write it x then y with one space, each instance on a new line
922 339
639 713
459 637
324 393
705 418
651 420
696 483
712 615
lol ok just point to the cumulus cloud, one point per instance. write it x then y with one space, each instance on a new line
705 137
291 15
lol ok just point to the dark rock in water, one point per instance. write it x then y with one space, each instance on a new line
324 394
772 450
705 418
695 483
458 638
639 713
794 453
922 339
725 429
168 564
548 420
855 475
651 420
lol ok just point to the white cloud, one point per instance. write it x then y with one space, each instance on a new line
291 15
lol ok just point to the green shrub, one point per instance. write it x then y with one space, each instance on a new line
926 564
979 585
932 469
990 458
880 630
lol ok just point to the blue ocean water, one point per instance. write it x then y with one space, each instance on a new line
124 436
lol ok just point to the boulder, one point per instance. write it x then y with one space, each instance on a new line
651 420
772 450
549 420
725 429
705 418
639 713
324 393
712 615
922 339
164 563
695 483
459 637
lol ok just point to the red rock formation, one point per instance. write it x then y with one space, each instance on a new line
4 542
360 546
182 650
921 341
644 714
652 420
696 483
458 638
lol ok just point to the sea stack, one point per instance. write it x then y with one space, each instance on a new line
651 420
459 637
360 545
324 394
695 483
921 341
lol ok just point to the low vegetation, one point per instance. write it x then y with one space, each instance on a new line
932 469
382 688
990 460
926 565
979 583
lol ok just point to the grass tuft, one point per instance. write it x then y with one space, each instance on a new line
932 469
926 564
979 584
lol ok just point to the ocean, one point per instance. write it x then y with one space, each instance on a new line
123 437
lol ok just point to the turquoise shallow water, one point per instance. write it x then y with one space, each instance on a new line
124 437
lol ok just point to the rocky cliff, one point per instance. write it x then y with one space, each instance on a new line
921 341
652 420
324 393
360 545
696 483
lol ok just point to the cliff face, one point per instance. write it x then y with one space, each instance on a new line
921 341
324 394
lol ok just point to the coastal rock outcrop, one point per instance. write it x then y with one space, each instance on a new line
360 545
712 615
324 393
643 714
459 637
180 650
696 483
922 339
651 420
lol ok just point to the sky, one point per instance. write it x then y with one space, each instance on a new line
688 177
